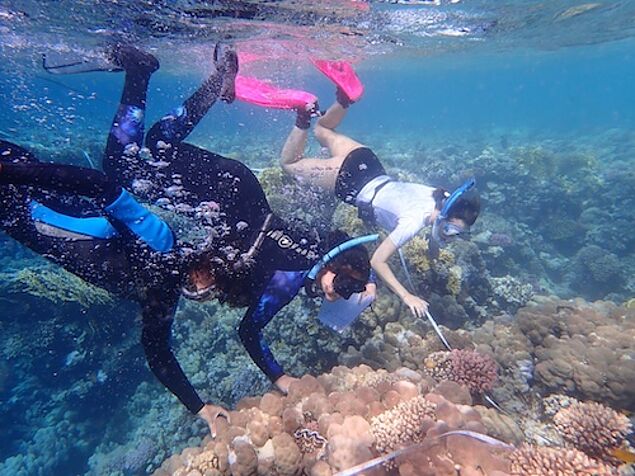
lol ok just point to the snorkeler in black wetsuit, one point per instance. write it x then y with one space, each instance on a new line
196 177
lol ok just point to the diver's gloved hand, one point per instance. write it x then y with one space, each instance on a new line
210 413
416 305
305 114
284 382
138 219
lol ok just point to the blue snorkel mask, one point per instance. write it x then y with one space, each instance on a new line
443 231
341 313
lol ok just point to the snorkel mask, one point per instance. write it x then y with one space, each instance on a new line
190 289
343 284
338 315
443 231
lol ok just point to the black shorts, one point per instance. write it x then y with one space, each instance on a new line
359 167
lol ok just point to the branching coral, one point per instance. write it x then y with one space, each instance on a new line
401 424
592 428
544 461
478 372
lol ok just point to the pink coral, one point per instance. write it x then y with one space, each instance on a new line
476 371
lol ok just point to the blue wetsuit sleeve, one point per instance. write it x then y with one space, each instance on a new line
372 278
280 290
158 312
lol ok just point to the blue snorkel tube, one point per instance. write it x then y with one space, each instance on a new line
319 266
449 203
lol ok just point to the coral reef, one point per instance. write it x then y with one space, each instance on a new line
511 293
56 285
478 372
386 411
596 272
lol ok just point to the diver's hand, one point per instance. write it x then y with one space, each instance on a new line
417 305
369 293
284 382
210 413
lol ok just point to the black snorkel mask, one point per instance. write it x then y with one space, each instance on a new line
339 314
343 284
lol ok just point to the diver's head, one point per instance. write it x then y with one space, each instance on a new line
345 274
456 212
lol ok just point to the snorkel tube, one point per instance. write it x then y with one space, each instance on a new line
441 229
319 266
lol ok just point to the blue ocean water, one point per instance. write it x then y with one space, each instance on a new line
538 104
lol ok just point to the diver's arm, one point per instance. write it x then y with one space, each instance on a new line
379 262
155 337
280 291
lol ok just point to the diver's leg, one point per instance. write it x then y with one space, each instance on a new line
319 172
338 144
127 125
176 126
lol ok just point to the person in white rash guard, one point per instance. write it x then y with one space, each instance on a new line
356 176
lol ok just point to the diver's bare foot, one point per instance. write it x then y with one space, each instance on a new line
226 62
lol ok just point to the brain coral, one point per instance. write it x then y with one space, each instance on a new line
592 427
544 461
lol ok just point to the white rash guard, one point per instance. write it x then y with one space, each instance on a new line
400 207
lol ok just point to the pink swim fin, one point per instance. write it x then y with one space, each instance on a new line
263 94
343 75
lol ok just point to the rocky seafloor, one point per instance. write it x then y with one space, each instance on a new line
538 306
